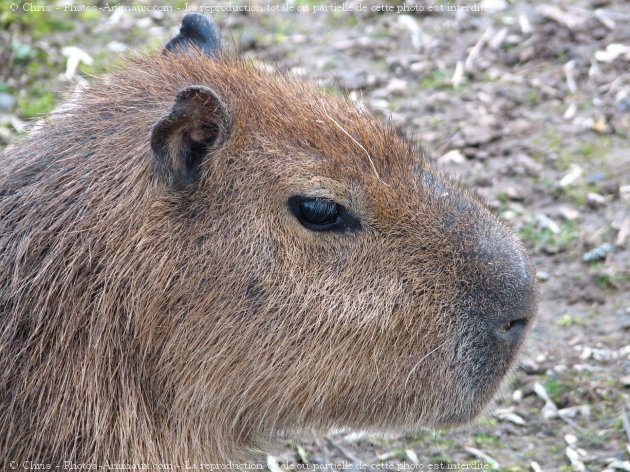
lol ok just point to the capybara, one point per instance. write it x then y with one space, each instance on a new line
197 254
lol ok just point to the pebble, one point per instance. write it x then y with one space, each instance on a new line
352 79
625 380
568 213
513 193
595 199
478 135
570 439
5 135
144 23
531 367
7 102
542 276
117 46
397 86
526 165
574 174
454 155
598 253
595 177
247 41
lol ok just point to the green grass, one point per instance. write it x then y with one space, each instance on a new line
539 238
611 281
568 320
103 62
583 153
533 98
437 79
485 440
38 24
556 389
32 106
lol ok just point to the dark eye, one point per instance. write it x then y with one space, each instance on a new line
320 214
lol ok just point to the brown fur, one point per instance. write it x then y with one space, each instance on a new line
145 324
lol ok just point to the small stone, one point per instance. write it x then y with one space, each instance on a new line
542 276
247 41
523 164
352 79
595 177
625 380
157 15
397 86
454 156
570 439
608 187
531 367
144 23
379 104
595 199
574 174
546 222
5 135
598 253
513 193
568 213
478 135
117 46
7 102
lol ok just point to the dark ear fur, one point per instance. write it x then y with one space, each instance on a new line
196 30
197 124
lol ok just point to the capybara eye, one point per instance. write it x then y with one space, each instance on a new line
319 211
322 214
317 214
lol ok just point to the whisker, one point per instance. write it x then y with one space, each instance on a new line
420 362
355 142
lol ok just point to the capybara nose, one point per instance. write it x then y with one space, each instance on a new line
517 295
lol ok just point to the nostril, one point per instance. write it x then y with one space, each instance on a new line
512 331
518 325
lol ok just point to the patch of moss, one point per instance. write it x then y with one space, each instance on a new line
437 79
538 237
584 153
533 98
38 24
556 389
485 440
611 281
568 320
36 105
102 63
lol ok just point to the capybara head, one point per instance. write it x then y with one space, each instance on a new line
197 254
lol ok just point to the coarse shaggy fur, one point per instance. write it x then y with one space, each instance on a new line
140 322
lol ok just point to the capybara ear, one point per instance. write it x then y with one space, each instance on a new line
197 125
196 31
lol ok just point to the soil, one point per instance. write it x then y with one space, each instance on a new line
530 105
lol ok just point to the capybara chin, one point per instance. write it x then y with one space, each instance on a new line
198 254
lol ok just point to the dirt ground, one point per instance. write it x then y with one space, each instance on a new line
527 102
